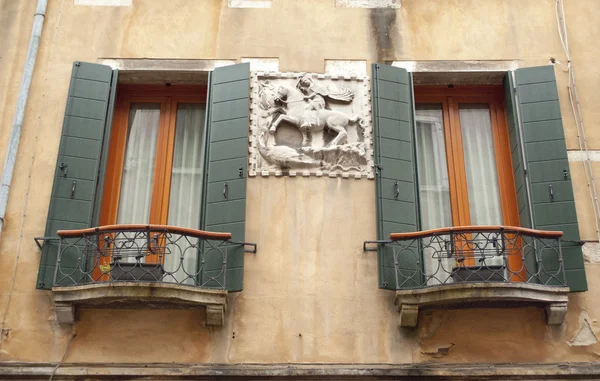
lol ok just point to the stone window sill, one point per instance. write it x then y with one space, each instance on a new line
463 295
139 295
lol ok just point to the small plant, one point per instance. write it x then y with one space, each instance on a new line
104 267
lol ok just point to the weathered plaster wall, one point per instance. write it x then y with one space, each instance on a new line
310 292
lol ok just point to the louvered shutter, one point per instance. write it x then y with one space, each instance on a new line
85 128
397 211
544 151
226 158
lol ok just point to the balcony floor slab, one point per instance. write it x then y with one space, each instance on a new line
139 295
465 295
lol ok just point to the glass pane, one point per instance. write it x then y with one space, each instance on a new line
186 173
138 166
434 191
138 175
480 164
186 190
434 188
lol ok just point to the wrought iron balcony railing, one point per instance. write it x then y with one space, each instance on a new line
143 253
475 254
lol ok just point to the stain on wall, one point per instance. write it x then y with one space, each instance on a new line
385 33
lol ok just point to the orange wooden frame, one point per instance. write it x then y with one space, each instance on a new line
450 99
168 97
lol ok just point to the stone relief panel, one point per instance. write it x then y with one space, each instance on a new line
310 125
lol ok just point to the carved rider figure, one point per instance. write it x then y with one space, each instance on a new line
312 92
316 94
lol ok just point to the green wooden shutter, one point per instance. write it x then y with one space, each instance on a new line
80 152
547 165
225 165
395 164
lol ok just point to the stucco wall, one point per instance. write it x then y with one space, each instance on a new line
310 292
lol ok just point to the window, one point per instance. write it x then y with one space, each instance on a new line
464 169
463 158
154 173
485 156
142 155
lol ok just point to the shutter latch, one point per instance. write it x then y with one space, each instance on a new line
73 188
565 173
64 168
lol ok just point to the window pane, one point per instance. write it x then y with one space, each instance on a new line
186 189
434 190
186 173
138 166
480 164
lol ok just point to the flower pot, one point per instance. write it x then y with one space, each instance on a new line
493 273
142 272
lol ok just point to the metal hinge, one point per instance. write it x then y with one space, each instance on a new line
249 247
43 239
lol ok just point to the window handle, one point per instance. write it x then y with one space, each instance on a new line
396 190
225 191
551 192
73 187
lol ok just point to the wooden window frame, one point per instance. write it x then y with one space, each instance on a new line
450 99
168 97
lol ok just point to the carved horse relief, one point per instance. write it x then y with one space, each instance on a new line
318 108
309 118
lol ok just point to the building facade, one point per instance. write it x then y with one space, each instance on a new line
312 189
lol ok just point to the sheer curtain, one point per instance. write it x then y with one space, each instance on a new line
186 189
434 189
138 167
480 167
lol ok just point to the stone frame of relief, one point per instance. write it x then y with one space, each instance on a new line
306 124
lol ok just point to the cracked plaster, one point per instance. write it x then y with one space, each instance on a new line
585 335
591 252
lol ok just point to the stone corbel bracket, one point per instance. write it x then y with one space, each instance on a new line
364 82
141 295
464 295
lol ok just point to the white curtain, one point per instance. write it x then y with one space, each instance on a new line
434 190
186 190
480 167
138 166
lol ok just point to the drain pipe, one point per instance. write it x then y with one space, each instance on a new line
15 134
